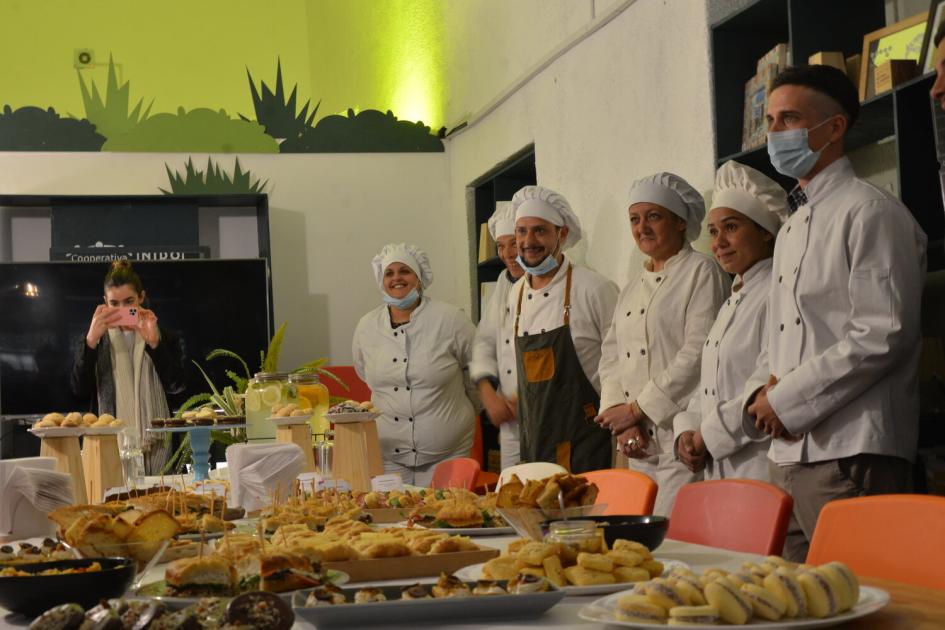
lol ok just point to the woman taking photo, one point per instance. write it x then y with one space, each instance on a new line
650 366
748 209
414 352
129 369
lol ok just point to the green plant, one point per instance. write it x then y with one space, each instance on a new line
199 130
368 131
34 129
213 181
276 114
110 115
228 399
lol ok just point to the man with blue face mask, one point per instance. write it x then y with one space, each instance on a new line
560 313
837 388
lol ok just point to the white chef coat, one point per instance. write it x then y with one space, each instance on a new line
728 360
493 357
653 351
418 379
843 323
592 308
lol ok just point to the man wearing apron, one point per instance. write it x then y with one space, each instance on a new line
560 312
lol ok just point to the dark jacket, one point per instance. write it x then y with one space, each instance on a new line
92 369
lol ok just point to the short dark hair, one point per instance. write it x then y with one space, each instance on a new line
827 80
939 34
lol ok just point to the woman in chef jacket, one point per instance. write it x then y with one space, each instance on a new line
748 209
413 352
651 356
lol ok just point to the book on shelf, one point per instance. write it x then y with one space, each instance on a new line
755 129
487 247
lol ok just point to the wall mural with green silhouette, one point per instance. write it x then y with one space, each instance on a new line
279 126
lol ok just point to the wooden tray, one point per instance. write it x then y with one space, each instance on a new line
410 566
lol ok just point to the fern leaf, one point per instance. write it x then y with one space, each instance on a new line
194 401
222 352
271 361
333 377
213 387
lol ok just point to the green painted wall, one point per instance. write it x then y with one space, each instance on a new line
381 54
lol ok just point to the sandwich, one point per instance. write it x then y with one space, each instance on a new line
276 572
458 514
209 576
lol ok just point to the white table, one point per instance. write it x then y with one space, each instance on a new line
564 615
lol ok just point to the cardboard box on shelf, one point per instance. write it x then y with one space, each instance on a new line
823 58
487 247
853 68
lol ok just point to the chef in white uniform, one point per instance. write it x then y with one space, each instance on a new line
560 313
413 352
748 208
838 386
651 356
493 356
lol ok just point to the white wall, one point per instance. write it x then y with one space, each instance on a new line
329 215
631 99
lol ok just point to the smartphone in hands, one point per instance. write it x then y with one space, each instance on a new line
128 317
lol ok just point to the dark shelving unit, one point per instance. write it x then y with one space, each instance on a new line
809 26
499 184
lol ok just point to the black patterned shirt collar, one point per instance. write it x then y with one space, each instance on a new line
796 198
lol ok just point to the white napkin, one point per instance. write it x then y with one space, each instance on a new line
260 471
29 490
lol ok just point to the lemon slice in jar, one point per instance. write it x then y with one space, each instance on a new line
252 399
271 395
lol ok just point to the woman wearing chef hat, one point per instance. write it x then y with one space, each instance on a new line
413 352
651 360
748 209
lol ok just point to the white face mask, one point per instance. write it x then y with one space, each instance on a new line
790 151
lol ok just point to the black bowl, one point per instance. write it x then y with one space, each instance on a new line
34 594
646 530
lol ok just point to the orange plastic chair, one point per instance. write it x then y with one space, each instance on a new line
888 536
460 472
737 514
624 491
358 389
486 480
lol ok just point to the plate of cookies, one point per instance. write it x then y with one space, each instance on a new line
593 572
451 598
76 423
779 596
352 411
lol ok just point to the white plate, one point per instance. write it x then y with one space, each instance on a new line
360 416
176 603
58 432
871 600
474 572
288 421
103 430
470 531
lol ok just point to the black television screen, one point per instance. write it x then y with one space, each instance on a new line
46 308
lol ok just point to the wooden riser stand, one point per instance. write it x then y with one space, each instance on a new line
300 434
68 460
357 454
102 465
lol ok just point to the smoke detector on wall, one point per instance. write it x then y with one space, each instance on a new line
83 58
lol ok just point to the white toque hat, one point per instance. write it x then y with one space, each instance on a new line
752 193
410 255
676 195
502 221
544 203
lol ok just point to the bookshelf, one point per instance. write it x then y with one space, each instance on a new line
499 184
903 115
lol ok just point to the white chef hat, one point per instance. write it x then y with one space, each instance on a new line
752 193
502 221
544 203
676 195
410 255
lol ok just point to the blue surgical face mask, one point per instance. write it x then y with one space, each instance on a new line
402 303
549 264
790 152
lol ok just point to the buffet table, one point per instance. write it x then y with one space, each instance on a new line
912 607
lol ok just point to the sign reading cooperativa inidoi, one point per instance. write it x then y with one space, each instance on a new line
100 252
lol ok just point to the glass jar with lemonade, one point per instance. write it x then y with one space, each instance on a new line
312 393
265 390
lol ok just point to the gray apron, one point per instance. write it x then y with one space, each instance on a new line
557 404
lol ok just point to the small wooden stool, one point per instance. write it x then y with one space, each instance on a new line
300 434
68 460
102 465
357 454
